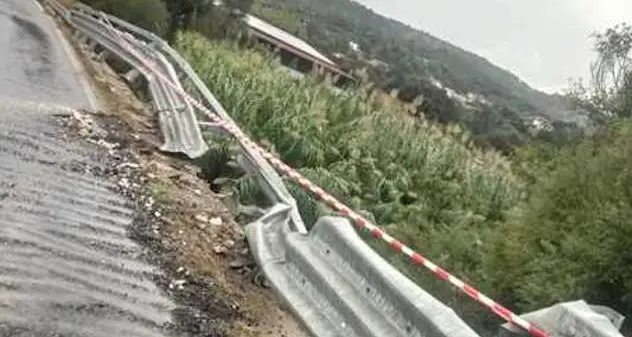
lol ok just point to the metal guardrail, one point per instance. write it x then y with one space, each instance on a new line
269 180
330 278
340 287
177 119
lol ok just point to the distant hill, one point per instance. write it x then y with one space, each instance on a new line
415 58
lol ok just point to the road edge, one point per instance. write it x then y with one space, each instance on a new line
80 73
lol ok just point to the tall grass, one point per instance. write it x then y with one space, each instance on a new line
428 186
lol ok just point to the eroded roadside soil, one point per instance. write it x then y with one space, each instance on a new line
183 226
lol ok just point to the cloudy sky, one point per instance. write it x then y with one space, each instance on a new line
545 42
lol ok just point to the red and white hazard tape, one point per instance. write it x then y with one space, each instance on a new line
336 205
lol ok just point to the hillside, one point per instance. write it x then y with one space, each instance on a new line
416 61
332 24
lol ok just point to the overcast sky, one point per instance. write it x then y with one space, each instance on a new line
545 42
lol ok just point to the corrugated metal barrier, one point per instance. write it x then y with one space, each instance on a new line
329 277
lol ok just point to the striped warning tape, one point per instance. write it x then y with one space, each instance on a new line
338 206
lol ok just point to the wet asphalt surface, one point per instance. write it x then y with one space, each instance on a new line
67 265
34 64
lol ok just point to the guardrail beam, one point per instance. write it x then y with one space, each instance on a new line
339 286
329 277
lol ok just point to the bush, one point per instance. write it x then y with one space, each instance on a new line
571 239
148 14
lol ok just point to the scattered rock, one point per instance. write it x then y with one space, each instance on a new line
133 166
177 284
220 249
107 145
84 132
201 218
124 183
216 221
229 244
238 263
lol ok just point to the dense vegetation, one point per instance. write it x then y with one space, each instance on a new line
573 232
571 238
423 184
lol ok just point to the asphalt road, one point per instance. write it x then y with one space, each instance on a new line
34 63
67 266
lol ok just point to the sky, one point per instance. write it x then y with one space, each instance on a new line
544 42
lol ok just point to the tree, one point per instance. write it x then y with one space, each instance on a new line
180 15
213 18
610 89
148 14
610 69
571 238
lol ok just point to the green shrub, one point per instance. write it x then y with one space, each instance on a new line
571 239
148 14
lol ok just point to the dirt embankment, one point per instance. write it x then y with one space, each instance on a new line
185 228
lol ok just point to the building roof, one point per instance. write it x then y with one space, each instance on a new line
287 38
